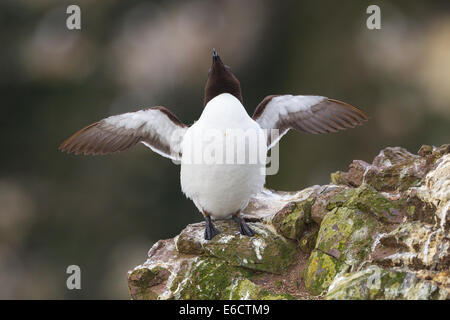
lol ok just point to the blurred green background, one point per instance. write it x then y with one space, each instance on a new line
104 213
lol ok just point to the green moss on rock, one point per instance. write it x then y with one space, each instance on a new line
308 240
320 272
208 279
346 235
266 251
367 199
244 289
291 221
337 178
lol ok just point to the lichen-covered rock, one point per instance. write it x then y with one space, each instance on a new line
244 289
376 283
208 278
291 221
344 241
189 267
347 233
307 241
367 199
378 231
322 199
144 281
416 245
435 189
266 251
392 169
320 272
160 276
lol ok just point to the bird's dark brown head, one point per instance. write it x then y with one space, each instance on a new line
221 80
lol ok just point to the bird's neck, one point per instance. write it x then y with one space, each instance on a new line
216 88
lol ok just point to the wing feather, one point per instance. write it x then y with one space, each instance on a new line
155 127
311 114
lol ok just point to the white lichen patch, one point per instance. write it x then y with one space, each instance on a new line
367 168
377 240
384 284
401 258
436 189
226 238
175 240
423 242
177 292
263 231
259 246
232 288
360 234
426 248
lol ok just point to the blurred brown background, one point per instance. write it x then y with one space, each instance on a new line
104 213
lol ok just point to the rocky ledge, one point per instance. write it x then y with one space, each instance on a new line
377 231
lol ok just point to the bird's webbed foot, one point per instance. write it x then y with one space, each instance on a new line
244 229
210 230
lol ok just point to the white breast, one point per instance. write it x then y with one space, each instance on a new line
222 164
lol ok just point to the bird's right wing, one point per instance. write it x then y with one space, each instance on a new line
157 128
311 114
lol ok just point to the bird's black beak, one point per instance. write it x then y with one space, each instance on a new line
215 56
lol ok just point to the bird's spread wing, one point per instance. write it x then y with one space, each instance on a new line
311 114
156 127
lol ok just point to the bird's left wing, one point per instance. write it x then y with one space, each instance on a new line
156 127
311 114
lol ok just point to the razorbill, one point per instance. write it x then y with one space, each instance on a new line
218 183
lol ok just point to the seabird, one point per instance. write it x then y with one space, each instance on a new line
219 189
